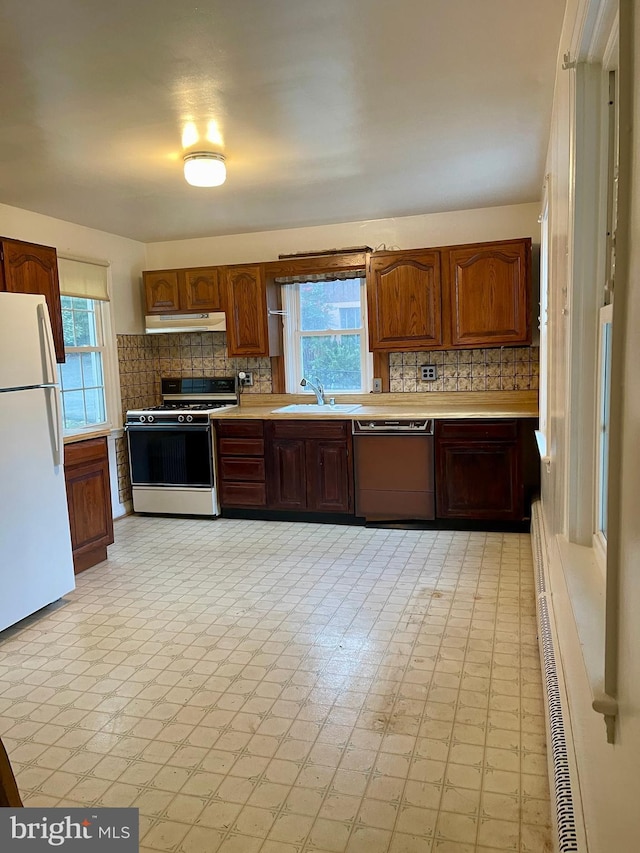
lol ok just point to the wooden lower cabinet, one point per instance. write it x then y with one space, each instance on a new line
288 478
310 466
241 464
294 466
482 469
329 476
86 468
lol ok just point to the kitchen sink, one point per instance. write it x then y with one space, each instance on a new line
302 408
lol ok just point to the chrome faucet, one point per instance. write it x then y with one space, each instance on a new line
317 388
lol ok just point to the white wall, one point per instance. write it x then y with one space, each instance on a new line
408 232
126 257
609 774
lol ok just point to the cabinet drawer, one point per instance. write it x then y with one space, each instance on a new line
241 469
309 429
478 430
242 494
241 446
240 428
80 452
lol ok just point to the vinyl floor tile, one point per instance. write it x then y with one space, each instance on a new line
276 687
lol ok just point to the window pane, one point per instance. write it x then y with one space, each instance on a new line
334 359
71 372
94 406
73 407
350 317
322 302
68 330
314 311
91 369
85 328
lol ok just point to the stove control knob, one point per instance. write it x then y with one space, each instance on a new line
180 419
150 419
372 425
142 418
189 418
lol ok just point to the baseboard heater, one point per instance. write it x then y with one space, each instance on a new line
567 820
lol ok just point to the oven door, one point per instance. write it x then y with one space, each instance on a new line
171 455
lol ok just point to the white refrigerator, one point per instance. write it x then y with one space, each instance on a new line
36 565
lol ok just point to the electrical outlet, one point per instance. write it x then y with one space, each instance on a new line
377 386
245 377
429 372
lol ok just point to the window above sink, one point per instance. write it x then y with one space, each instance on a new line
325 335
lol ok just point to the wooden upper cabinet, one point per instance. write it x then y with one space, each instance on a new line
28 268
162 291
201 290
182 291
245 297
489 293
404 301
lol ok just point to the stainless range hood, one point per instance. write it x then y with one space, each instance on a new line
176 323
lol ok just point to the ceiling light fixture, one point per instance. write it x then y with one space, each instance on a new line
204 169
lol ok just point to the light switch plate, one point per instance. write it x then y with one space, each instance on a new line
429 372
377 386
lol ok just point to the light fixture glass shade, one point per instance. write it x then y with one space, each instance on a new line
204 169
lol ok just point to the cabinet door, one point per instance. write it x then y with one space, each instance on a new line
329 480
478 480
287 484
404 299
89 500
201 290
34 269
245 298
489 294
161 291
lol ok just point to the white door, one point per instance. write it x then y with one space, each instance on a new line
36 565
26 343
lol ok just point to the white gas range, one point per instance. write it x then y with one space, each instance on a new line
172 447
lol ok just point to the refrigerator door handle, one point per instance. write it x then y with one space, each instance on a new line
54 416
48 350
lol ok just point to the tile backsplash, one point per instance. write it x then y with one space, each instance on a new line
494 369
144 359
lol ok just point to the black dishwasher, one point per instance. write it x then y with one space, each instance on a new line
394 468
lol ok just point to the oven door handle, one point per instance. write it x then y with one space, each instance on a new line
167 427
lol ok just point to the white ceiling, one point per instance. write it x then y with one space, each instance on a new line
328 111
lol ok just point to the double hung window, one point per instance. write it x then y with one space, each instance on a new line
84 301
325 335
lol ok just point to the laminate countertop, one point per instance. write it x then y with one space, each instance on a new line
85 436
441 404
